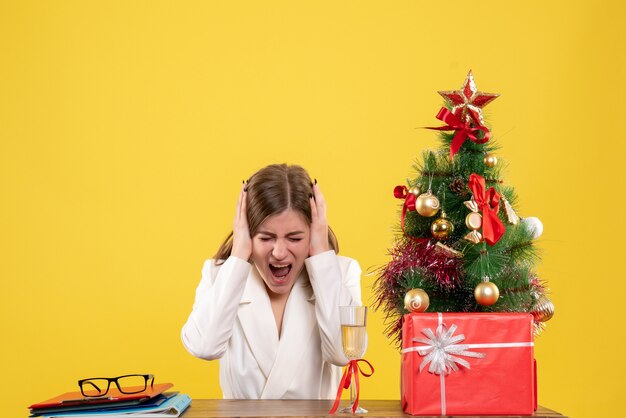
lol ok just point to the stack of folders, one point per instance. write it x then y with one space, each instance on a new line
154 402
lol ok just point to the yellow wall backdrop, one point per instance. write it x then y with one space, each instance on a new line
126 128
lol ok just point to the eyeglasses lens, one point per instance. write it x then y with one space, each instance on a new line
132 383
95 387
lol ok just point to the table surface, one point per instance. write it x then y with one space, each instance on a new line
229 408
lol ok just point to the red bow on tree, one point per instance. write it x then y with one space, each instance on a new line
489 203
463 130
401 192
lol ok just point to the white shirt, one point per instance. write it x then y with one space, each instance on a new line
232 320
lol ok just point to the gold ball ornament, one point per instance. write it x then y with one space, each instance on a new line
486 293
416 300
490 160
543 309
427 204
414 191
441 228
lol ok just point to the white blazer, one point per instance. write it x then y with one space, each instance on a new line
232 320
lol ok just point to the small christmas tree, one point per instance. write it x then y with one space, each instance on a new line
461 245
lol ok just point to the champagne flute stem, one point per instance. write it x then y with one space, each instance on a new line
352 390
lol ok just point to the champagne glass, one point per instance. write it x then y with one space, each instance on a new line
353 338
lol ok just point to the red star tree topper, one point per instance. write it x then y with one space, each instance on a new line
467 103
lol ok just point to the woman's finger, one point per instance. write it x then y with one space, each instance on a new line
320 203
313 210
242 245
243 207
319 227
240 201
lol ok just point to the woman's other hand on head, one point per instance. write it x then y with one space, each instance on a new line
242 242
319 223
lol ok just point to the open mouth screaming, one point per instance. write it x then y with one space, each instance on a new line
280 271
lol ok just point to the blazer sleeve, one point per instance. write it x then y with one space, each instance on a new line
210 324
336 281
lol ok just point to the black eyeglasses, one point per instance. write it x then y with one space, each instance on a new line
128 384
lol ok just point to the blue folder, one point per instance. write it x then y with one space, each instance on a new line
172 407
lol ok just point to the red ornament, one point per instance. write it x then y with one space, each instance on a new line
468 102
401 192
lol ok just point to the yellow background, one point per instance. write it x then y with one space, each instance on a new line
126 128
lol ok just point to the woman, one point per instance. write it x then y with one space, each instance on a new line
267 304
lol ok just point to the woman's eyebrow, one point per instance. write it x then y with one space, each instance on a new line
269 234
289 234
295 233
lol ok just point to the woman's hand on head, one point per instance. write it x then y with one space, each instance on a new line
319 223
242 243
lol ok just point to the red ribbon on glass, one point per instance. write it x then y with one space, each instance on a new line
351 368
489 204
463 130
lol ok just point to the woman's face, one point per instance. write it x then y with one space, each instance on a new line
279 249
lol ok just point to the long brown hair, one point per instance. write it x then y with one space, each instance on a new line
272 190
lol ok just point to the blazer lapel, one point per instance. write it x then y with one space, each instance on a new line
298 328
258 323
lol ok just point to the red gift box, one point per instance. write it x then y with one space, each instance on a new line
468 364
